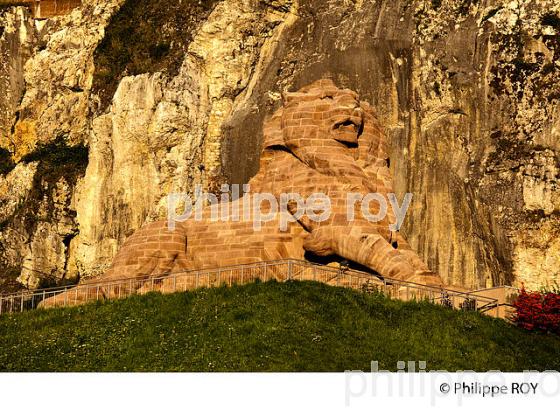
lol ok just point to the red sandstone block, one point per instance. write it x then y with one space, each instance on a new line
169 246
167 237
198 228
322 107
179 239
238 245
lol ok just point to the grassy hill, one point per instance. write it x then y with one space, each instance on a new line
294 326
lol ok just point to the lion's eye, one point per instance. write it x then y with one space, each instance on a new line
346 124
350 126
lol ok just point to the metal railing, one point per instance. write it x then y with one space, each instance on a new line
280 270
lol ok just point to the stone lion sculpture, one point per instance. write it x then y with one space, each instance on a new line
323 139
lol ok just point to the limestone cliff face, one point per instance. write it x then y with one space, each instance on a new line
468 92
47 70
95 131
18 40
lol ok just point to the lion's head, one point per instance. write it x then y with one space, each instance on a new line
330 130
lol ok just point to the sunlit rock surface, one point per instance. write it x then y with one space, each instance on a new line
467 92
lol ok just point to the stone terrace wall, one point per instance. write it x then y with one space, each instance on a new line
45 8
51 8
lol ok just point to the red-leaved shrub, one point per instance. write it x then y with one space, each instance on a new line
538 311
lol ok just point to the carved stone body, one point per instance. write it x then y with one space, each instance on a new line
323 140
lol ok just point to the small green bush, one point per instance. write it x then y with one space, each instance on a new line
56 160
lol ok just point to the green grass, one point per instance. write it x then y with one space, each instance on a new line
294 326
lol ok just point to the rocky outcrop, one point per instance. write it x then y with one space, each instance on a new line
16 47
467 92
50 75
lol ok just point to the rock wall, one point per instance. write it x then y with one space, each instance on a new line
46 134
467 90
18 40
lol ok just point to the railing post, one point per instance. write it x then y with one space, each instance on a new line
266 275
412 292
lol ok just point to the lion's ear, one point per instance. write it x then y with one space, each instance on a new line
272 131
